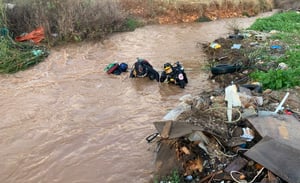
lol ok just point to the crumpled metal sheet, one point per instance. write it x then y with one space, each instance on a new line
178 129
284 128
280 158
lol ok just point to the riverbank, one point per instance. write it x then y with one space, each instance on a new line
76 21
202 144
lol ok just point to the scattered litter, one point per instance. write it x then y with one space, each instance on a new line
254 44
236 165
189 178
248 134
35 36
4 31
236 46
260 37
37 52
232 99
236 36
279 108
283 66
276 47
274 31
215 45
282 102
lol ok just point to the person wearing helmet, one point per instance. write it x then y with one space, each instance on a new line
168 68
142 68
174 74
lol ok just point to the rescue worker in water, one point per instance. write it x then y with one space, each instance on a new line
174 74
142 68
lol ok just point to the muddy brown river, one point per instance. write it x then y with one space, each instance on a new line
67 121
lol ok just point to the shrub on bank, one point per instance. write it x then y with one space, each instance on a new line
76 20
67 20
15 56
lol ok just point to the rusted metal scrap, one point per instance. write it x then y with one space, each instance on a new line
279 149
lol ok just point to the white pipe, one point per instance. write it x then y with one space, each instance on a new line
281 103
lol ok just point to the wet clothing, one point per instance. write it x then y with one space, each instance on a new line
142 68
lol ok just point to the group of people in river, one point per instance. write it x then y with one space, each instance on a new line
172 73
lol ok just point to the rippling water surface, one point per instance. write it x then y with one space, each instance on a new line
67 121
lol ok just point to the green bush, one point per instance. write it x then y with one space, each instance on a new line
19 56
174 177
288 24
278 79
285 22
131 24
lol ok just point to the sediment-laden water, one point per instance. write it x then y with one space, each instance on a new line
67 121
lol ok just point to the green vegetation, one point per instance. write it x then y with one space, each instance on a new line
173 178
19 56
16 56
286 22
288 25
131 24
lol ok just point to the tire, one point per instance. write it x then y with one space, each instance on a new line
225 69
252 87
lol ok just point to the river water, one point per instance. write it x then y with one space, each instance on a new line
67 121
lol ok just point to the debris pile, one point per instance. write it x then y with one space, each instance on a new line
239 133
258 144
234 58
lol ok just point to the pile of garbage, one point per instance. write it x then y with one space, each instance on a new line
238 133
234 58
231 135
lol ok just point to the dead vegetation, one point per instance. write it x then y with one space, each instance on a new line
177 12
66 20
80 19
